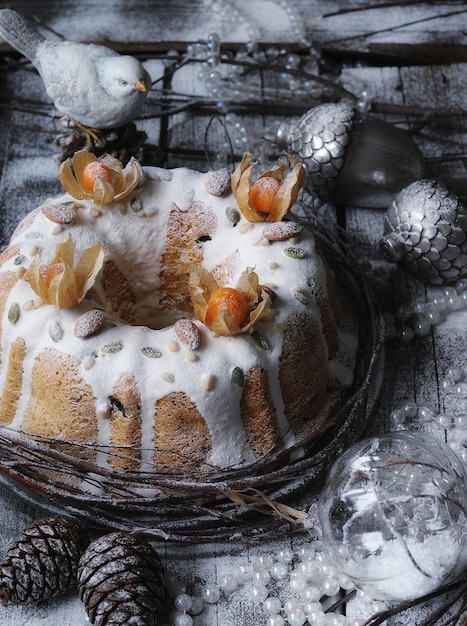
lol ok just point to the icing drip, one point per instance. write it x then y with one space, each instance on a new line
135 234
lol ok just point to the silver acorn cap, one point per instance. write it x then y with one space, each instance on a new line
425 231
350 157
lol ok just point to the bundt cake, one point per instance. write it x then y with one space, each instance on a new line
144 317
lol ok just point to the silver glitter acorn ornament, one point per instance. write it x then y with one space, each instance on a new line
425 231
350 157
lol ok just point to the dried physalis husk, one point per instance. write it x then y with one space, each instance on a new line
123 180
291 180
58 283
259 300
203 285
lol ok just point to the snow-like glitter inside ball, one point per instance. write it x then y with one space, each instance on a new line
393 515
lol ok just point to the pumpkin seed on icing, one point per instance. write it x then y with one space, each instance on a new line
152 353
298 295
13 313
232 214
112 348
260 340
56 332
88 362
294 252
136 205
19 259
238 377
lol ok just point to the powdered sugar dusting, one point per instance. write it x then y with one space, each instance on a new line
139 245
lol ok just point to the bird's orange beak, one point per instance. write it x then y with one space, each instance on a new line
140 85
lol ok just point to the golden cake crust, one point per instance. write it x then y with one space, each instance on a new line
13 384
132 371
182 439
304 356
73 417
125 424
258 413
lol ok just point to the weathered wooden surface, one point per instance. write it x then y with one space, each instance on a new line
409 59
410 30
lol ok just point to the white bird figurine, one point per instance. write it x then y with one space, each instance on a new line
91 84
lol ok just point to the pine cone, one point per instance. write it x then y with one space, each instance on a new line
121 581
43 562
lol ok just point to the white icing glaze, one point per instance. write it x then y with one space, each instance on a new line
139 240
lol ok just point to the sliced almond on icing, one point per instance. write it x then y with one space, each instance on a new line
281 231
188 333
88 323
59 213
218 182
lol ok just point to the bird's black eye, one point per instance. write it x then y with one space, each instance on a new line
123 83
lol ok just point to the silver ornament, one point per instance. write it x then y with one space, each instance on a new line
350 157
425 230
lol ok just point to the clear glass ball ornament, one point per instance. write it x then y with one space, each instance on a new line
393 515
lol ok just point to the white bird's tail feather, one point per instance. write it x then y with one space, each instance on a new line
20 33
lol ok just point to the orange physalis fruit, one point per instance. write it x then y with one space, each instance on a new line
92 171
269 203
232 300
228 311
263 193
103 180
62 283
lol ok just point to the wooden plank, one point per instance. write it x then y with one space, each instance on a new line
415 374
414 370
422 32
